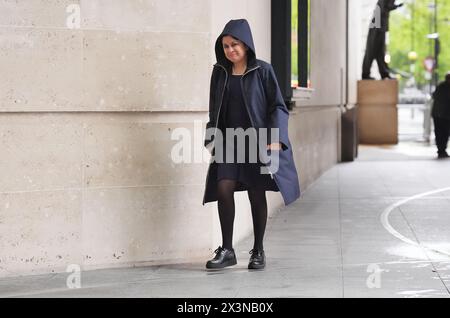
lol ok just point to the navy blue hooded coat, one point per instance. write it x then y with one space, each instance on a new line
265 106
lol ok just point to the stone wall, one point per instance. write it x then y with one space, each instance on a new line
87 109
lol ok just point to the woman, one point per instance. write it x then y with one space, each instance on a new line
244 93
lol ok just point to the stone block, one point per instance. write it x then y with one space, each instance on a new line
41 69
377 92
378 124
377 112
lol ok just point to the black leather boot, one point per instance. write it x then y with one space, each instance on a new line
257 260
224 258
443 155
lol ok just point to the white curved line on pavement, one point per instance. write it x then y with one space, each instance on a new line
385 220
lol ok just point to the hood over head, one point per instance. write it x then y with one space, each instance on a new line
239 29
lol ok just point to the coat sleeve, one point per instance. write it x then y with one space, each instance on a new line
210 122
278 114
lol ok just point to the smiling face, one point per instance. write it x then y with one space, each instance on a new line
235 50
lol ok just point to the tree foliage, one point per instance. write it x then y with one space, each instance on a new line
408 32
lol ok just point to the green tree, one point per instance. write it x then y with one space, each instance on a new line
408 32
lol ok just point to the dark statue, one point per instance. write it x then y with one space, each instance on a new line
376 40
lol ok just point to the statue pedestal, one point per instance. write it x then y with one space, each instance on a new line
377 111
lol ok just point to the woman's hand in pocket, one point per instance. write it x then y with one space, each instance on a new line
275 146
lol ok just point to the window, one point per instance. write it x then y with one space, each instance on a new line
290 60
300 43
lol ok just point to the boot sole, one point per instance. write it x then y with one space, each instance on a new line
256 266
223 265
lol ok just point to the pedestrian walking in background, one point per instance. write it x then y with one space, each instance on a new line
441 116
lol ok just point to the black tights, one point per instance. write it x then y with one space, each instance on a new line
226 209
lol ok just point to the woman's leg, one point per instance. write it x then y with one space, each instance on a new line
225 193
258 204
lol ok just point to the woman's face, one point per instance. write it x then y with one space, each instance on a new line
235 50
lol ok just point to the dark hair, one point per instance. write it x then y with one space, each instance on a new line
447 77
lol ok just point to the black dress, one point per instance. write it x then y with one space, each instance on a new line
234 114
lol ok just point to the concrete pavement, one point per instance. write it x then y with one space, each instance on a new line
331 243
